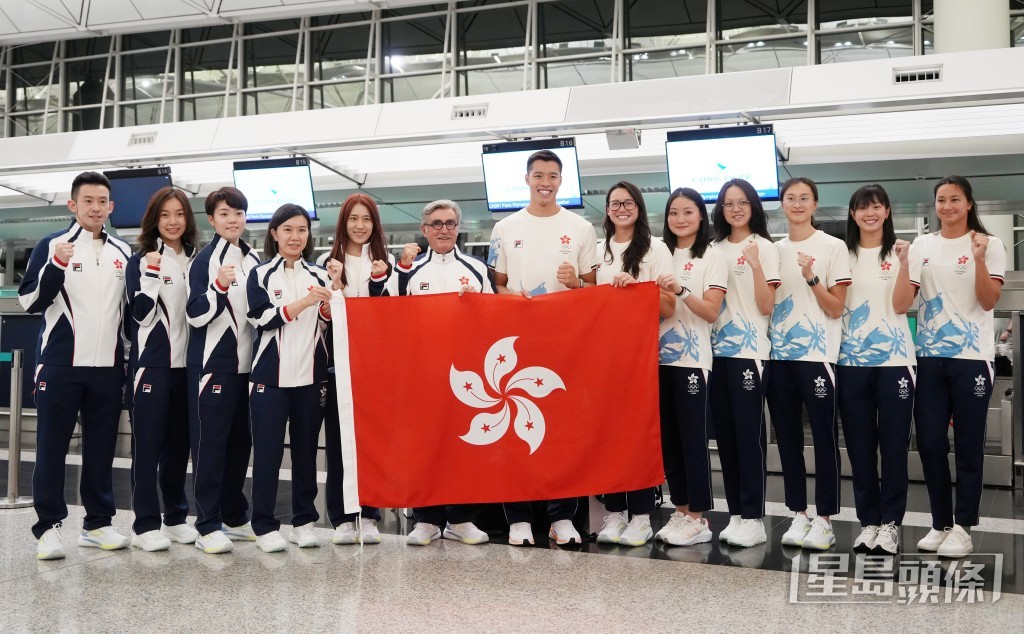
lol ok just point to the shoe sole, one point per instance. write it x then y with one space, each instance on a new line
471 542
347 541
275 549
522 542
240 538
792 542
954 555
213 551
90 544
50 556
928 549
157 549
878 550
306 545
864 548
180 541
820 547
634 544
703 538
607 540
571 540
757 542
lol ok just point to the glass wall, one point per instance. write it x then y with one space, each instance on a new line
468 47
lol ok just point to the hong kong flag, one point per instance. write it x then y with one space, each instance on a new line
485 398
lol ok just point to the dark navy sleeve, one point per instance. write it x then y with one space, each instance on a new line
263 314
43 279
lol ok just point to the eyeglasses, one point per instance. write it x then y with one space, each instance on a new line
792 200
741 204
628 205
437 225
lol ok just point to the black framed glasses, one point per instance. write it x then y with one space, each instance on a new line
628 205
437 225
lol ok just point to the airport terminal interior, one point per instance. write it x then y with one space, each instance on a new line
410 101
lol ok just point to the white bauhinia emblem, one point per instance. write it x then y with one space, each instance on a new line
489 427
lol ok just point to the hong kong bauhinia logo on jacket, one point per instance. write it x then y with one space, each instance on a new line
534 381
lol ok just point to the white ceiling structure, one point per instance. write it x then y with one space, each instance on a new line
25 21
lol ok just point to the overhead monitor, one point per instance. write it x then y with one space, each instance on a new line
505 173
131 191
706 159
270 183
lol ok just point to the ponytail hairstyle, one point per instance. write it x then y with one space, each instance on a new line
641 242
973 221
865 197
758 220
378 248
703 238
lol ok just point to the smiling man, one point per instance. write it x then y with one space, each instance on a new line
75 278
442 269
540 249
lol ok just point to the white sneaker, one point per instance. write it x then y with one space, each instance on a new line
422 534
614 524
520 534
748 533
820 537
272 542
466 532
106 538
563 532
304 536
638 532
180 533
957 543
693 531
888 540
865 542
243 533
726 534
345 533
214 543
50 545
674 523
797 531
151 541
370 534
931 542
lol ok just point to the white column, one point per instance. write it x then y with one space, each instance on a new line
971 26
1001 226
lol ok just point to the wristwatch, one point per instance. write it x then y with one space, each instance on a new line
813 281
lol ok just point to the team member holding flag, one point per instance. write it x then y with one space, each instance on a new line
698 279
442 269
289 306
219 360
158 329
539 249
631 256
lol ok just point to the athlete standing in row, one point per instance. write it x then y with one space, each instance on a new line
442 269
876 369
158 392
75 278
959 270
359 258
739 339
539 249
290 307
219 360
631 256
805 333
698 280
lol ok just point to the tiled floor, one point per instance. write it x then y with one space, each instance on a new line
453 587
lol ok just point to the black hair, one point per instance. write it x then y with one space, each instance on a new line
543 155
973 221
89 178
703 237
758 219
233 197
797 180
149 229
283 214
641 242
865 197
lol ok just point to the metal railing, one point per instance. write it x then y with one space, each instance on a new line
13 500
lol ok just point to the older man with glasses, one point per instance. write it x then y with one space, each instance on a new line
442 269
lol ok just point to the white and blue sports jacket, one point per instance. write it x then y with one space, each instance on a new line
221 337
82 301
157 327
290 350
433 272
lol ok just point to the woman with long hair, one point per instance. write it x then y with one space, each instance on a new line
158 331
876 369
698 280
289 298
631 256
360 256
814 269
739 340
959 270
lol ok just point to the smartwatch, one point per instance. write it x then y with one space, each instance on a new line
813 281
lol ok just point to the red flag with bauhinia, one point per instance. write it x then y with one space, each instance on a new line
497 398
